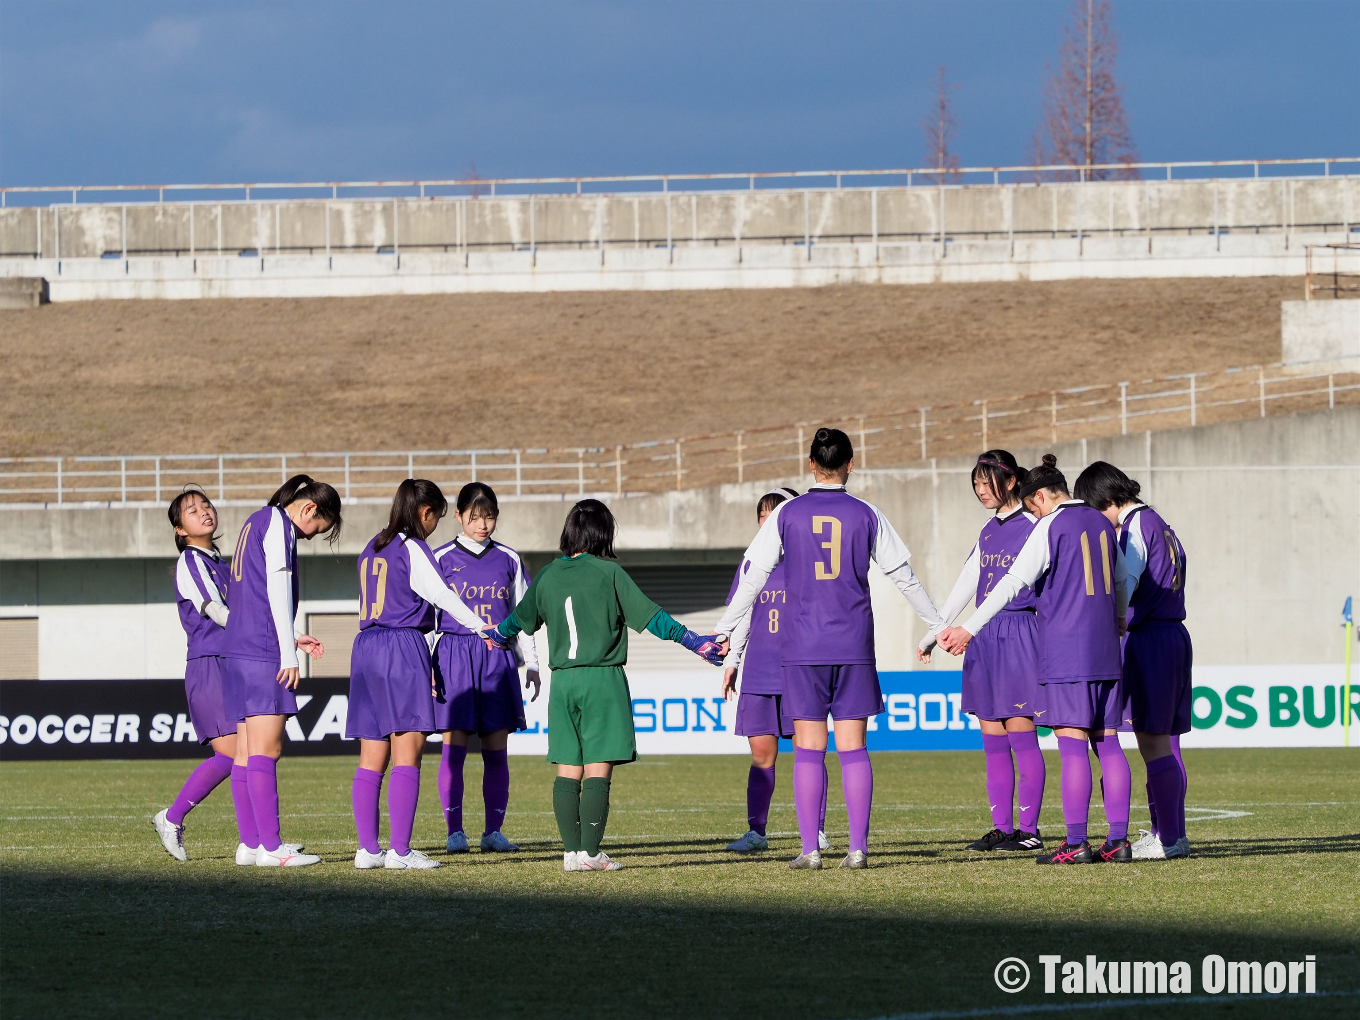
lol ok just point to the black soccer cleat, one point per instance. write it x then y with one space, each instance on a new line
989 841
1021 842
1068 854
1115 850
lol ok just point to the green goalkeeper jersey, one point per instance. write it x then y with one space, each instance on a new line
588 604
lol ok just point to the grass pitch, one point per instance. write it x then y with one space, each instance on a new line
98 921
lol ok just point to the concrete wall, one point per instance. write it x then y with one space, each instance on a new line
1268 509
1321 331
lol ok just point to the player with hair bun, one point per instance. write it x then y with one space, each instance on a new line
762 714
476 686
1072 562
1158 655
826 539
588 603
1001 669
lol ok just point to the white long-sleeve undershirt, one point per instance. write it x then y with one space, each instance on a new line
195 585
1032 562
279 587
427 582
1136 550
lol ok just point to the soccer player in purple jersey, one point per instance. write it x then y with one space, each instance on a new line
200 587
260 658
391 710
477 687
1001 669
826 538
1157 651
761 714
1072 562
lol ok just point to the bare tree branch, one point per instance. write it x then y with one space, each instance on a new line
939 127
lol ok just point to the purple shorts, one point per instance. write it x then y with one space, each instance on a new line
1082 704
1001 667
214 702
844 692
761 715
389 684
1157 661
260 690
476 689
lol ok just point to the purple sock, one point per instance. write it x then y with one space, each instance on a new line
245 814
809 791
1076 787
1185 780
364 796
857 783
1029 775
826 788
1116 785
201 782
495 787
759 790
403 794
1000 780
1164 787
451 785
262 778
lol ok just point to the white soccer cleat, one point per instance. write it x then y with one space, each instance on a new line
855 860
172 835
1145 839
245 855
1157 851
807 862
600 862
363 860
749 843
284 857
571 860
823 843
413 860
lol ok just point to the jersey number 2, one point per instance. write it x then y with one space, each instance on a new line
831 527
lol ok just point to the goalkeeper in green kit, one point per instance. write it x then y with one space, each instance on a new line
588 601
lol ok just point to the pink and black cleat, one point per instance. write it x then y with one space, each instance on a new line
1069 854
1115 850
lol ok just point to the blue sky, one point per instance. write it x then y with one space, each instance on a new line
139 92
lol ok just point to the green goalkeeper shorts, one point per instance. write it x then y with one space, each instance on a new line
590 716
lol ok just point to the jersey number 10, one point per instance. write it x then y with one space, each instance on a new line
371 608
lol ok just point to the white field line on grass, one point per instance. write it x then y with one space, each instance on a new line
1072 1007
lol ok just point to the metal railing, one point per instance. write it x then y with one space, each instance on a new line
882 440
1337 281
534 185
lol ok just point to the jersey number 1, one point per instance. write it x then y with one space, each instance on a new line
571 629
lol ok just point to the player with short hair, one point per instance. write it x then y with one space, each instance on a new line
476 686
1072 562
200 587
826 539
588 603
762 716
391 710
1001 669
1158 655
260 657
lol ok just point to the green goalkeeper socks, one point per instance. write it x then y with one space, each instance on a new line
594 813
567 808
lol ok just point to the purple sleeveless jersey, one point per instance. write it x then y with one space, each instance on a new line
761 672
1160 594
1076 599
385 595
485 580
828 538
250 626
195 571
1000 542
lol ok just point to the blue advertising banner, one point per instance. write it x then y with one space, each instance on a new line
922 712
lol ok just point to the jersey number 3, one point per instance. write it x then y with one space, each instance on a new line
831 528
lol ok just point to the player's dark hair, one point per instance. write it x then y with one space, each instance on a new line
998 468
1102 485
589 528
176 514
307 488
773 498
831 449
478 496
1044 476
413 494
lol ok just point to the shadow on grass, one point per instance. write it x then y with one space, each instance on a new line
319 944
